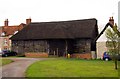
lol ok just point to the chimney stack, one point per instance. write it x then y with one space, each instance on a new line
28 20
111 20
6 22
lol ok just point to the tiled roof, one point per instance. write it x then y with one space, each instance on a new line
10 30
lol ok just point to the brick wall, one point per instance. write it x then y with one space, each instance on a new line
39 55
82 56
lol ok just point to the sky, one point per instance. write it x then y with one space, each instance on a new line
119 14
17 11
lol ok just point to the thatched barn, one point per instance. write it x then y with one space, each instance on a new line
57 38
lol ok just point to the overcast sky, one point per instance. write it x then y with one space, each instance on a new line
17 11
51 10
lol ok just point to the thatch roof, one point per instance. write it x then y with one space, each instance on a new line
86 28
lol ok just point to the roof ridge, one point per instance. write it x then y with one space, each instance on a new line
63 21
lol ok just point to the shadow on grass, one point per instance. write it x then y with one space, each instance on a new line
119 69
60 78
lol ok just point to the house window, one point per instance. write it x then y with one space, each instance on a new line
5 41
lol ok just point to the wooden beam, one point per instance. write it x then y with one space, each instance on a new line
66 47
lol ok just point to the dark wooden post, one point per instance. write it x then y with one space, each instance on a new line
48 47
54 53
57 51
48 50
66 47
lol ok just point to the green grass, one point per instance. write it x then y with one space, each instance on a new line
5 61
72 68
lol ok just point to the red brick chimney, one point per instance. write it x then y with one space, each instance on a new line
6 22
28 20
111 20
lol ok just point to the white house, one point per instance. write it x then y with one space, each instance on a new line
101 42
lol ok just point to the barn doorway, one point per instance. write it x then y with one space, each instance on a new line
57 47
61 47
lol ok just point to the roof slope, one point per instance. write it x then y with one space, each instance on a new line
10 30
86 28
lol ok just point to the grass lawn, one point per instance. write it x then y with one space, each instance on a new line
61 67
5 61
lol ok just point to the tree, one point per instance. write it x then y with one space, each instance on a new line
113 44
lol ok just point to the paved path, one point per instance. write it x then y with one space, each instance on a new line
18 68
